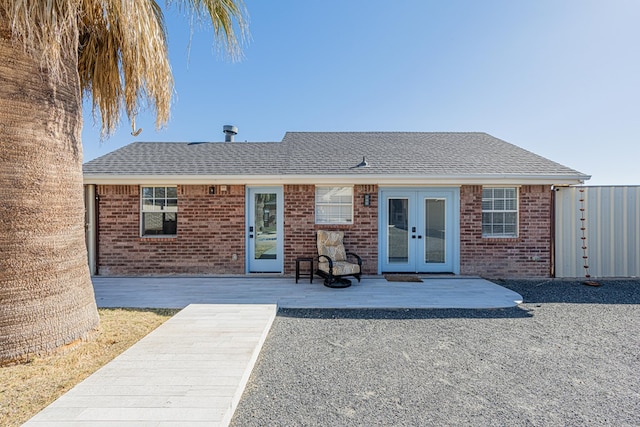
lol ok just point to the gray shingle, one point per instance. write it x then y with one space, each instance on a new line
180 158
334 153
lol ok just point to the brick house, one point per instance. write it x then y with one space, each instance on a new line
461 203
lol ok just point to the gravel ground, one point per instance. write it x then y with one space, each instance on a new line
569 355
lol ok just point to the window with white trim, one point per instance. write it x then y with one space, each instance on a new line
499 212
159 211
334 205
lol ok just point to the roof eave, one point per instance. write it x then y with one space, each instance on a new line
438 180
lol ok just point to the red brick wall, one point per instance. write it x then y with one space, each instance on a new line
528 255
361 237
211 230
210 233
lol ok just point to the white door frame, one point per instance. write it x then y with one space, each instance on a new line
264 265
416 197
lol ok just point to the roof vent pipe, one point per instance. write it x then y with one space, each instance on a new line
363 163
229 132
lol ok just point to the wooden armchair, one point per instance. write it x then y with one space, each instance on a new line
333 264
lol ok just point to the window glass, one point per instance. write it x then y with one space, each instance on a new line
334 205
159 192
499 212
159 223
159 211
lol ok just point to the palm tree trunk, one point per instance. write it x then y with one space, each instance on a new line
46 296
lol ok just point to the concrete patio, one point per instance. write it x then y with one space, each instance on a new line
372 292
192 370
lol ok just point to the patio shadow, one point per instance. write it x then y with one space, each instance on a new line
422 313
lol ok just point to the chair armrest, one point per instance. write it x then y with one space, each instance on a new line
356 257
328 259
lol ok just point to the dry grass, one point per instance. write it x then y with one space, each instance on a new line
28 388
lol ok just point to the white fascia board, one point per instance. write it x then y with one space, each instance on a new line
481 179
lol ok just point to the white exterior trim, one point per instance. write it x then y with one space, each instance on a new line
388 180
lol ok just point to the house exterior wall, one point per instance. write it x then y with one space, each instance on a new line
527 255
300 228
211 232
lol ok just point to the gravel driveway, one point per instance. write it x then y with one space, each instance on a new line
569 355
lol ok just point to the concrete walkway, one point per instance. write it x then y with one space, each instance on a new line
192 370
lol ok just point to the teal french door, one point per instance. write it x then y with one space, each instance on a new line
419 230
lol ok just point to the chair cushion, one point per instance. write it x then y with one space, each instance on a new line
330 244
340 268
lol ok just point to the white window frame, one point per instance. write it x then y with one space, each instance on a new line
329 202
500 206
158 205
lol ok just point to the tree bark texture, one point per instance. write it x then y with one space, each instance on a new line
46 295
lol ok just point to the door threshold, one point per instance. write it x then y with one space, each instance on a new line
265 273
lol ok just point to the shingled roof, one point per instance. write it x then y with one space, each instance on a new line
301 157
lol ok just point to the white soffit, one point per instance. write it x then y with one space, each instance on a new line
497 179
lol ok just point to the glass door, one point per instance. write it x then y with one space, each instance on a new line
436 245
264 230
398 236
418 230
398 232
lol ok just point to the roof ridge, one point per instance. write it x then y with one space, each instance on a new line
391 132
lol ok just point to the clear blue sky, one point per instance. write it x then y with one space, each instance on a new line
560 78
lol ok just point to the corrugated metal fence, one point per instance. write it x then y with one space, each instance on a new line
610 240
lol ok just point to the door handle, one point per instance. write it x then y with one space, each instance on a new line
251 236
413 237
419 237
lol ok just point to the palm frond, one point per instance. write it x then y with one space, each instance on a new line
121 46
123 60
228 18
47 29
